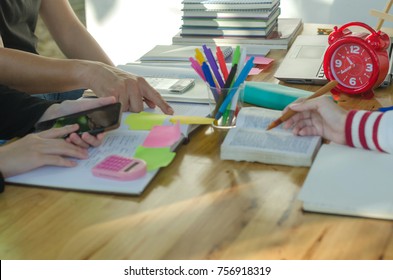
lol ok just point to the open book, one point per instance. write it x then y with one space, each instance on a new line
349 181
249 141
123 142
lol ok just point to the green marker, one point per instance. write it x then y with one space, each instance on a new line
236 56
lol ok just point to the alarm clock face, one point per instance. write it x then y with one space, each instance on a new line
353 66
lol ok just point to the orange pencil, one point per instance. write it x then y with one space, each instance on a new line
288 114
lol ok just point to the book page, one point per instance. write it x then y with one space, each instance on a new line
250 141
259 118
270 141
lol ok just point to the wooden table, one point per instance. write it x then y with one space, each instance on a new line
197 208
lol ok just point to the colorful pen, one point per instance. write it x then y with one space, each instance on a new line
240 79
233 107
210 80
236 56
221 62
226 88
199 56
231 77
384 109
242 60
197 67
213 65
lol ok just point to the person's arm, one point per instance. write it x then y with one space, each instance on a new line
36 150
370 130
49 147
19 112
356 128
36 74
69 33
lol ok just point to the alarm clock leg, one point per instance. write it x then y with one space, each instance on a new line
368 94
336 94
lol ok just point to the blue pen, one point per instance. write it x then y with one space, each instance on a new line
210 80
213 64
240 79
384 109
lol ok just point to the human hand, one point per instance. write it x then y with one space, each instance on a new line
44 148
129 89
318 116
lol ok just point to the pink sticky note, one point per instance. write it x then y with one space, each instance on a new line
162 136
255 71
261 60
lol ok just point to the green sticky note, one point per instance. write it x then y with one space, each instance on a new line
144 120
155 157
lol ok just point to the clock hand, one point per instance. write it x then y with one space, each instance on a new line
346 69
349 60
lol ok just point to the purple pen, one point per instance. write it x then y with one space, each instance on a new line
213 65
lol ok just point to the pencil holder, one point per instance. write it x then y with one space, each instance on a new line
225 104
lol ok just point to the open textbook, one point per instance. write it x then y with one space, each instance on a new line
349 181
121 141
249 141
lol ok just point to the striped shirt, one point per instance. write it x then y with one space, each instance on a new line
370 130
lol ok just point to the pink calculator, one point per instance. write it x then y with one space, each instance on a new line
120 168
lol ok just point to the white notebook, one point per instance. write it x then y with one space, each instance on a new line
349 181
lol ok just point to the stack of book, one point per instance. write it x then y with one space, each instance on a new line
254 18
234 22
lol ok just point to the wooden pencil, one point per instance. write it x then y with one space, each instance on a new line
288 114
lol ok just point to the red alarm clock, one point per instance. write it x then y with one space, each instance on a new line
357 61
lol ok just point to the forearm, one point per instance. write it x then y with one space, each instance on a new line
370 130
34 74
71 35
21 111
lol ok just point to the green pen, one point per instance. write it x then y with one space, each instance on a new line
236 56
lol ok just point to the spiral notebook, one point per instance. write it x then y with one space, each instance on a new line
179 53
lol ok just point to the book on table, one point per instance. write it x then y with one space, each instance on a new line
349 181
176 53
249 141
229 31
215 22
231 14
228 4
282 38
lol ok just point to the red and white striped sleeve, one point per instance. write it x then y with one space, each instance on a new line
370 130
